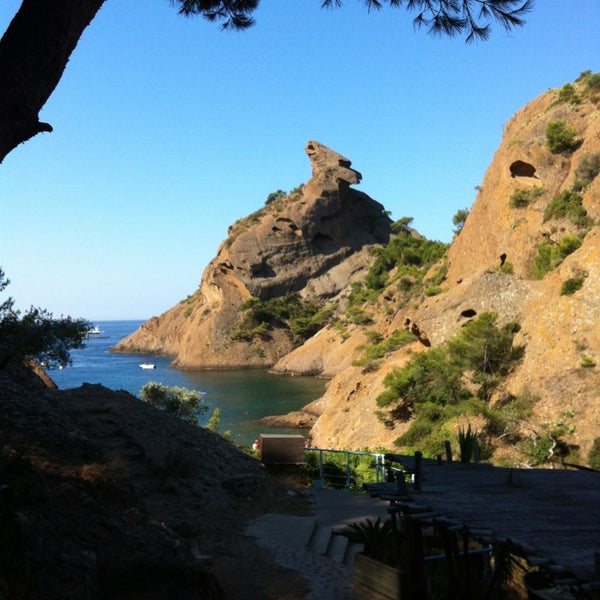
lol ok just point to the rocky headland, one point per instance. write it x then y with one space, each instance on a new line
313 242
527 251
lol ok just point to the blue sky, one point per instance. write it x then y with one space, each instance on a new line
167 130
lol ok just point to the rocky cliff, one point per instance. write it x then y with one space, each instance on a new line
527 251
308 246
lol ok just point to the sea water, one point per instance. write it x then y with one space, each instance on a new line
242 396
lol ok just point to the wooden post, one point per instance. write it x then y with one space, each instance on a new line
416 562
448 451
418 471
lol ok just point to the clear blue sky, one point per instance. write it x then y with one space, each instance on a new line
167 130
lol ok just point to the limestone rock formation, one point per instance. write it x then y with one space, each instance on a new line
314 242
528 251
492 267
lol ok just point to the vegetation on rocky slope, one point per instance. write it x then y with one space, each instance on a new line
398 327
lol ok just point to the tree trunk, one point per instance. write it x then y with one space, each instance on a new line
34 52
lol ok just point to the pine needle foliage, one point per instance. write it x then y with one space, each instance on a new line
440 17
451 18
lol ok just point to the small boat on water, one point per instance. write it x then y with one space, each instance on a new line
147 366
94 330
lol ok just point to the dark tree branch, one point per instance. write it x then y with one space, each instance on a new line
34 52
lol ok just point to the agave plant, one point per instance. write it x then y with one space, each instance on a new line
381 540
466 443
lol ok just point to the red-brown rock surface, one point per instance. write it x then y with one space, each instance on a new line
310 242
314 241
561 333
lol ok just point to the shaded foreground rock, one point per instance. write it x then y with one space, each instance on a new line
124 501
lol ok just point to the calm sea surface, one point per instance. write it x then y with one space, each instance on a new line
242 397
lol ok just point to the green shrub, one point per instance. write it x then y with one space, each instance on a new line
443 383
561 139
572 285
299 317
374 337
523 198
307 326
587 362
215 420
549 256
379 539
567 245
586 172
358 316
435 290
594 454
412 256
274 196
568 205
378 350
590 80
568 94
180 401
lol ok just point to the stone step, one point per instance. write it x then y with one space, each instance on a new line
293 531
351 552
321 539
338 546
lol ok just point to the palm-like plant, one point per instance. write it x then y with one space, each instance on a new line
381 540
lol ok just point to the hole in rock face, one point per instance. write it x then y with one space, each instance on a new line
521 168
468 313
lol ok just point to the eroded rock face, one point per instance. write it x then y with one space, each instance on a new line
490 269
315 242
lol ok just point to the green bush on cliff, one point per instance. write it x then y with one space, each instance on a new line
305 327
572 285
274 196
561 139
301 318
587 170
459 219
594 454
410 255
523 198
380 347
568 205
549 256
443 383
182 402
568 94
591 81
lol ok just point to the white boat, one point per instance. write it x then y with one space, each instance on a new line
147 366
94 330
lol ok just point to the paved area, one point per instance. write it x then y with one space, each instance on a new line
289 538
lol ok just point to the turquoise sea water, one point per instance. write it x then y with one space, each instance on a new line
242 397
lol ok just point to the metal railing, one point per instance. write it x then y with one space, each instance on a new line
343 469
